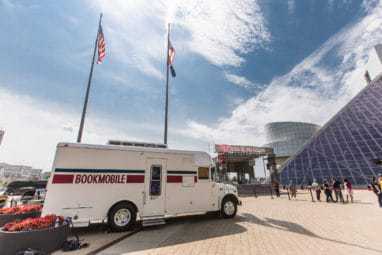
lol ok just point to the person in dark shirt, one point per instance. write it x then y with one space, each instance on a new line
292 189
328 192
337 190
276 186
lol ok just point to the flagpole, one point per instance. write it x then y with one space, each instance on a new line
167 74
79 137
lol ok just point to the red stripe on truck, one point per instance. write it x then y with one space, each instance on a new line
135 179
63 178
174 178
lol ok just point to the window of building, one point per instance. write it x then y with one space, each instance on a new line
203 173
155 180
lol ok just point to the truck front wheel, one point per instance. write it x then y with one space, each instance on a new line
122 217
229 207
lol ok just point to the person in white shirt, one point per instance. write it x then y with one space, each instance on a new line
316 187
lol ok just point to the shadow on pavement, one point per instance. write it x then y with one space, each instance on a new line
362 203
178 231
201 228
295 228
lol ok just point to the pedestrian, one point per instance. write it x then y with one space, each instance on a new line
292 189
375 186
348 190
276 187
328 192
317 188
337 190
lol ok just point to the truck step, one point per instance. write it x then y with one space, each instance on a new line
153 222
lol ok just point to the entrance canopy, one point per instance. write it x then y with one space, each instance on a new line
240 160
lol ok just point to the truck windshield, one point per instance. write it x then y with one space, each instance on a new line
215 176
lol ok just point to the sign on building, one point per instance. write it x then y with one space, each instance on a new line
1 135
226 148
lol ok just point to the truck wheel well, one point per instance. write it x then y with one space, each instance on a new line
232 197
122 202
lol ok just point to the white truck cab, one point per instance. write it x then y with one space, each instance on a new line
122 184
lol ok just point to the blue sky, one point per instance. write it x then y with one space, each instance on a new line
239 63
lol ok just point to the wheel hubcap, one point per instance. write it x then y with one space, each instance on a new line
122 217
229 208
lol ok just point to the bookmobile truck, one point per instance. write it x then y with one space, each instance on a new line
123 184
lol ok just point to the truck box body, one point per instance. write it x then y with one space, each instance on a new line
88 180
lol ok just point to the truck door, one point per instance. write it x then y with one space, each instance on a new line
204 190
155 181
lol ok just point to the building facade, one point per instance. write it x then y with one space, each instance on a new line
10 172
286 138
348 146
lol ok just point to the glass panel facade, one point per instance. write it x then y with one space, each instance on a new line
348 146
286 138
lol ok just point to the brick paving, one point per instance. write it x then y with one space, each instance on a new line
269 226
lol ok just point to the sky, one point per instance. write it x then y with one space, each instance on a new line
240 64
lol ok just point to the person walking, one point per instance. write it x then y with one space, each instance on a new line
292 189
380 190
276 187
348 190
317 188
376 188
337 190
328 192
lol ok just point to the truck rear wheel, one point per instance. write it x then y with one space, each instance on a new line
122 217
229 207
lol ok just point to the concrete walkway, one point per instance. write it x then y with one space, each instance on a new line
269 226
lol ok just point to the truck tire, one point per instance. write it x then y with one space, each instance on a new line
229 207
122 217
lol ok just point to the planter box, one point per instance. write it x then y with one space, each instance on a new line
45 240
5 218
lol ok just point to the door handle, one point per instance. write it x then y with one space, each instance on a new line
144 197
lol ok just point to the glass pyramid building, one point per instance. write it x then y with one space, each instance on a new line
348 146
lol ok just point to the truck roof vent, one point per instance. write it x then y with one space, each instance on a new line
137 144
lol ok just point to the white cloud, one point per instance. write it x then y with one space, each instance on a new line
291 6
219 32
240 81
33 129
368 5
311 92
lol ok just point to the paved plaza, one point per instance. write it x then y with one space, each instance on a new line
269 226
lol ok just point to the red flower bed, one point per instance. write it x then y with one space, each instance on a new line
21 209
29 224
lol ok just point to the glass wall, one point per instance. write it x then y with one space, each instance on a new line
348 146
286 138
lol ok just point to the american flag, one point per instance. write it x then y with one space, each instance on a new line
101 46
171 57
171 53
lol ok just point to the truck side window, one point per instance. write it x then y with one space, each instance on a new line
155 181
203 173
